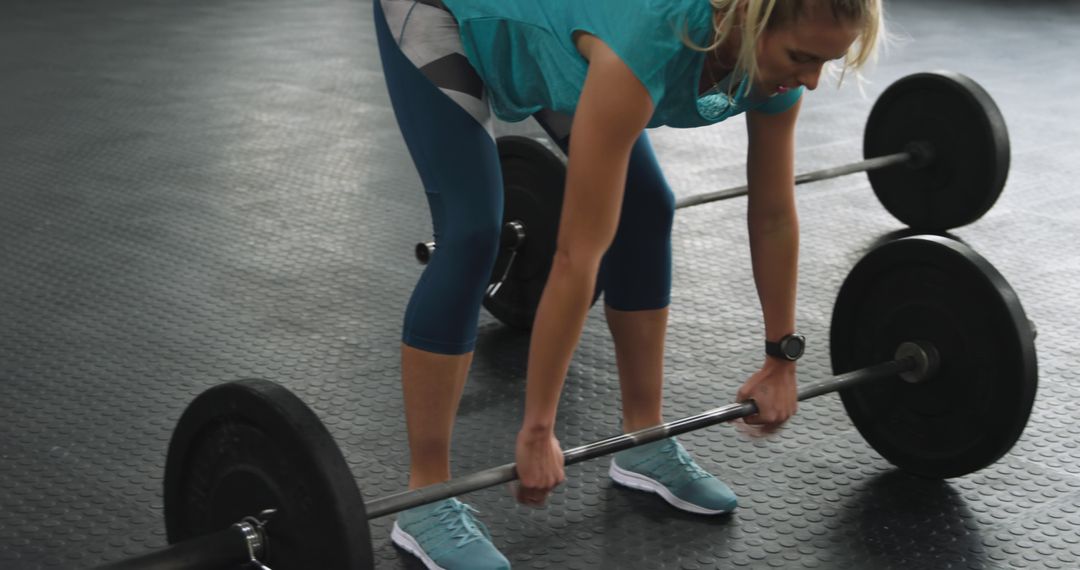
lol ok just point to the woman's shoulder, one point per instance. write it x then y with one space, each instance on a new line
645 15
654 22
693 13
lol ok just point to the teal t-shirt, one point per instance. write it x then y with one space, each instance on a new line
525 53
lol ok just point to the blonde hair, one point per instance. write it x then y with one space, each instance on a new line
764 14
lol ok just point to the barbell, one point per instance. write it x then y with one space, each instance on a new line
937 156
934 360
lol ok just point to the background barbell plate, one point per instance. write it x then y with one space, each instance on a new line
937 290
970 141
250 445
534 180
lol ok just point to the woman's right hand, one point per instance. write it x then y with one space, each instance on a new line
539 467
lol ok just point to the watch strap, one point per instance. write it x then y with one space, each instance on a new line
776 349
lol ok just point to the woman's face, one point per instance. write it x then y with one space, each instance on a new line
793 55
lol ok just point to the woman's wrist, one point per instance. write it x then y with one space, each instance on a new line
536 429
776 363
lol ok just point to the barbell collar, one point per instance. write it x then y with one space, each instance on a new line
513 235
505 473
424 251
875 163
927 361
922 154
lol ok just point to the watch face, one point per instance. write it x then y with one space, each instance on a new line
793 346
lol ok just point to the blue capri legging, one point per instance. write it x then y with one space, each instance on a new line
442 109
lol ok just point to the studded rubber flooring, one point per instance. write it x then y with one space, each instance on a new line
194 192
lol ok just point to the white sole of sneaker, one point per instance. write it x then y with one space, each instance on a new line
643 483
406 542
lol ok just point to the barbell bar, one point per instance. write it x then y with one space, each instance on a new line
932 355
918 155
911 358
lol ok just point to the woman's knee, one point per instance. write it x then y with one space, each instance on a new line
649 202
445 306
659 210
636 273
472 250
648 216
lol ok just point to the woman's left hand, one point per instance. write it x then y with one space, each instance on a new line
773 390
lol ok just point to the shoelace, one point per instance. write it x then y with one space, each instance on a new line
683 465
458 517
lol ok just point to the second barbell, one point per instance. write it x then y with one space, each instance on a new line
937 156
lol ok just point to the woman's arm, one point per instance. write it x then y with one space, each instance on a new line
613 110
774 251
771 216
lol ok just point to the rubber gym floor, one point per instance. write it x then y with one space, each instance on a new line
195 192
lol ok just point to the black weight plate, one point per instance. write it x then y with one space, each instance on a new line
936 290
970 144
246 446
534 180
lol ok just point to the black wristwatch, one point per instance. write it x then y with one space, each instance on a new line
790 347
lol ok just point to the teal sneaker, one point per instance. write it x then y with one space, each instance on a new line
446 536
663 467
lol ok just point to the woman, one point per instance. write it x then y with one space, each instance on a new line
597 73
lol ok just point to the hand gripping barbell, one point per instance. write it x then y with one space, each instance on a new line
937 153
934 361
